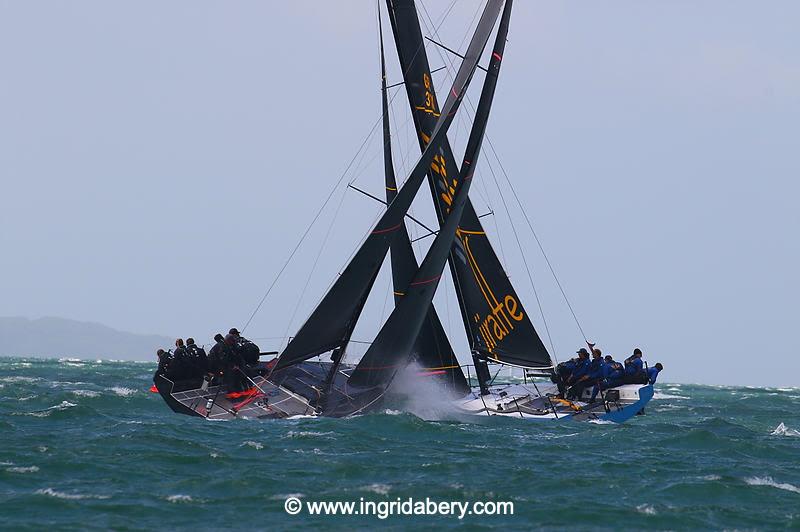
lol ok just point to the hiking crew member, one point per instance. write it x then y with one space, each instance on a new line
634 368
180 367
233 373
247 349
613 376
593 374
217 355
163 362
197 358
652 373
581 367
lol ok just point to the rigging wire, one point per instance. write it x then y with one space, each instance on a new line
310 225
538 242
316 262
448 60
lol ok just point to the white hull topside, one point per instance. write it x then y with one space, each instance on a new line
529 401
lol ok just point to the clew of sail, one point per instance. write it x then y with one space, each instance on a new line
432 349
496 322
332 321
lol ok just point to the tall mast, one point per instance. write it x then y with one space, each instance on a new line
433 349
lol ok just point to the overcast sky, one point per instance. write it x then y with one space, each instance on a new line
159 161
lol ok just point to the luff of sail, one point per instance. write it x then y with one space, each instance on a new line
331 322
496 322
432 349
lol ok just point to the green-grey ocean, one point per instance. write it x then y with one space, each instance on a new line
85 446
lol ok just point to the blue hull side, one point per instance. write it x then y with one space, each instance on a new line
624 414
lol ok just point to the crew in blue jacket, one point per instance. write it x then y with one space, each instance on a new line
634 368
652 373
593 374
613 376
581 367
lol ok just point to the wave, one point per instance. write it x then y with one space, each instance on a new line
254 444
86 393
19 378
122 391
767 481
179 498
29 469
646 509
783 430
661 395
380 489
47 411
69 496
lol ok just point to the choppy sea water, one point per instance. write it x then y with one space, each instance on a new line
84 445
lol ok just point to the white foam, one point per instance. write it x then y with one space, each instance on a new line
254 444
214 455
63 360
27 398
44 413
601 422
42 449
85 393
19 378
380 489
180 498
303 433
660 395
69 496
783 430
767 481
283 497
29 469
122 391
646 509
711 478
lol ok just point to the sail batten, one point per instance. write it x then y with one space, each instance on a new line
496 323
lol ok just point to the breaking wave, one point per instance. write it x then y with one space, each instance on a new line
767 481
69 496
29 469
783 430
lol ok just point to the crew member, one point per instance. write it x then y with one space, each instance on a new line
233 374
163 362
180 367
217 355
613 376
247 349
652 373
581 367
198 358
593 374
634 368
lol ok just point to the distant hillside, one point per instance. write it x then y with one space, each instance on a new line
58 337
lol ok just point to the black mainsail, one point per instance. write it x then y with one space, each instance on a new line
332 321
433 350
497 324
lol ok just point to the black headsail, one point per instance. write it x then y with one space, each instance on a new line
331 323
395 340
433 349
497 324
